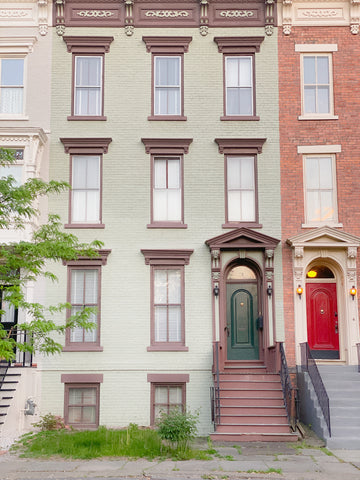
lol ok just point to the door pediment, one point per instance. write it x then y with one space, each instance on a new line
326 237
242 238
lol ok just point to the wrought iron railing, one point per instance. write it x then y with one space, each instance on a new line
289 392
358 352
215 390
308 364
4 365
23 358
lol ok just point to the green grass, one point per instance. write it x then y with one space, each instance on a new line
269 470
132 442
303 444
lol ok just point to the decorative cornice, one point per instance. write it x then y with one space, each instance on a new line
99 260
178 146
167 44
84 44
22 45
167 257
80 146
240 145
239 44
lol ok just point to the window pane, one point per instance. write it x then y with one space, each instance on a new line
312 173
160 287
92 206
174 324
175 395
309 70
232 72
160 324
323 69
309 99
74 414
79 172
325 170
89 415
11 100
323 100
91 286
174 206
233 101
76 334
313 206
245 71
233 172
160 200
14 171
161 395
12 72
327 207
234 206
174 285
160 173
88 73
173 173
247 206
245 101
77 286
167 71
247 172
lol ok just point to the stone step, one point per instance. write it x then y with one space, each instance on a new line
252 428
252 410
254 437
254 401
249 376
250 384
253 419
247 393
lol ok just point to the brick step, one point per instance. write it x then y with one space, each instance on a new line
247 393
272 377
249 384
254 437
245 370
252 410
253 428
254 401
253 419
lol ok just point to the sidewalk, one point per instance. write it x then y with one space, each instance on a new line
243 461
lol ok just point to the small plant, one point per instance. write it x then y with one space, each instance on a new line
178 428
269 470
238 448
51 422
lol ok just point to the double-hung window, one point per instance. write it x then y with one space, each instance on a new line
167 97
167 193
88 85
167 298
85 206
88 76
317 97
12 86
320 190
14 170
239 76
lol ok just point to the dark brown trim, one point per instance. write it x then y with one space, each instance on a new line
82 378
70 385
99 118
167 347
242 238
167 257
167 146
171 383
238 44
100 260
84 225
167 45
230 146
241 224
86 146
82 347
89 45
168 377
166 225
167 118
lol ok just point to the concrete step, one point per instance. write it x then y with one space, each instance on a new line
247 393
254 401
254 437
252 428
252 410
248 376
250 384
346 442
253 419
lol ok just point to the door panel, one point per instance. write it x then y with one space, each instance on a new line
243 338
322 320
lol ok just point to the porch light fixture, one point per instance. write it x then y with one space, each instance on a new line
216 290
353 291
312 273
299 290
269 290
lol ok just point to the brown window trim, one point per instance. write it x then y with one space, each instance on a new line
241 147
167 260
86 264
169 380
167 46
80 385
238 46
158 147
86 146
87 46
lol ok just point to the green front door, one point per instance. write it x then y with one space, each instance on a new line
242 312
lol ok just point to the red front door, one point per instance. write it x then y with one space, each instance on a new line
322 320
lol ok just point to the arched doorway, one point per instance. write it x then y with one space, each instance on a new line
322 312
243 319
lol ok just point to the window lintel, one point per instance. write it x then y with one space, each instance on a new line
82 378
88 44
168 378
230 146
13 45
101 259
167 257
238 44
86 145
167 146
167 44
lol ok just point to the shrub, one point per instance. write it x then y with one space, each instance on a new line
178 428
51 422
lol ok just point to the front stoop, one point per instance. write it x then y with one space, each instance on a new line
251 406
342 383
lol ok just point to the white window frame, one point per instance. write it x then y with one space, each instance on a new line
87 189
331 222
241 190
179 190
88 87
178 87
239 87
313 50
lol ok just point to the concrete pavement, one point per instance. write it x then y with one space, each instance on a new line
243 461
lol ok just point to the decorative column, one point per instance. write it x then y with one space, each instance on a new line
354 16
215 279
269 17
43 16
269 276
60 17
353 322
287 16
204 20
129 19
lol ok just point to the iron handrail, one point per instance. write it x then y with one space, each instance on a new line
308 364
4 365
23 358
215 392
358 352
289 392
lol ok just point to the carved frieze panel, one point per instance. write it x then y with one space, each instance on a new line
94 14
241 14
176 14
33 13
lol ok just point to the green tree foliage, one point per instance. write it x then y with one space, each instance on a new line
23 261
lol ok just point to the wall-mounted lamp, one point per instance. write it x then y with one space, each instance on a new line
216 290
353 292
269 290
299 290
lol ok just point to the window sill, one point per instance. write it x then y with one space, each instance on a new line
84 225
167 348
318 117
241 224
166 225
240 117
177 118
86 118
5 116
322 224
82 348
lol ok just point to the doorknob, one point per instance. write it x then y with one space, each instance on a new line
336 326
227 330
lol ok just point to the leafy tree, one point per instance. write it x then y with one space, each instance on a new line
24 261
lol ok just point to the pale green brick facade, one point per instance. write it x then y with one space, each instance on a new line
125 289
